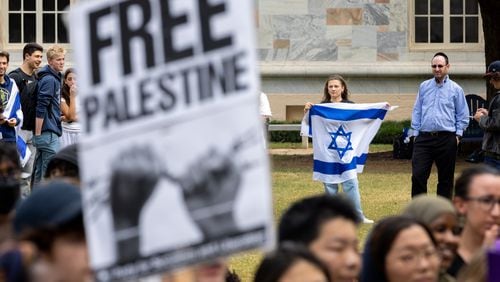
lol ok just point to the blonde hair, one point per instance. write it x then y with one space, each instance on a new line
54 51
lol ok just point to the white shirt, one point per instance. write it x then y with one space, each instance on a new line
265 107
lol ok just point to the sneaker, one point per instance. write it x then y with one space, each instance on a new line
368 221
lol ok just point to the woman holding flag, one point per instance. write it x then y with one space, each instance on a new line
335 91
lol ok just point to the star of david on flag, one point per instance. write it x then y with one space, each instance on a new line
341 134
338 139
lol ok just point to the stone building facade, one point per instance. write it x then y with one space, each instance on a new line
377 45
369 42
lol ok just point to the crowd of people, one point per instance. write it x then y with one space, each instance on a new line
435 238
39 109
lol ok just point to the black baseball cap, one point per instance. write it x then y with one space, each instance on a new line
50 205
67 154
493 69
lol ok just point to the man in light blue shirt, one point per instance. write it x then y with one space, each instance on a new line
440 116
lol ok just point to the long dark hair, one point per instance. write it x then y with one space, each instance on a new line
65 88
345 94
277 263
380 242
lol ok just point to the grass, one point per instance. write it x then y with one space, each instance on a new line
385 187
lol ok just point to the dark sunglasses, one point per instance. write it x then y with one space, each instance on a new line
437 66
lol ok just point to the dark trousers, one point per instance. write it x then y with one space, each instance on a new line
440 148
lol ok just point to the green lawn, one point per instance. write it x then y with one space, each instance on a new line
385 187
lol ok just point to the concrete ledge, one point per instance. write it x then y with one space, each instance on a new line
284 127
396 69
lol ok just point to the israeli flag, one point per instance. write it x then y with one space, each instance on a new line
341 134
13 110
24 151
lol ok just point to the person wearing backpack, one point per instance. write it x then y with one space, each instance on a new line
48 111
26 81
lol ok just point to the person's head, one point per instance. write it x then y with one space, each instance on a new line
10 176
51 218
493 74
55 57
69 79
4 63
440 216
401 249
291 263
335 89
440 65
64 164
32 55
327 225
213 271
477 197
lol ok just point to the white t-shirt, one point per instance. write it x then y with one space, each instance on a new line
72 126
265 107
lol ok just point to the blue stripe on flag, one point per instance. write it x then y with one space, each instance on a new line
21 146
347 115
338 168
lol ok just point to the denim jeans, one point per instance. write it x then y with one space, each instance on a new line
47 144
351 189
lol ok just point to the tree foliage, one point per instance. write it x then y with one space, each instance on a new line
490 10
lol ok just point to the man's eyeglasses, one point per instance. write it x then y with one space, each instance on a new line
437 66
495 78
486 203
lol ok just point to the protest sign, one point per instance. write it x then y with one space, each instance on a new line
173 164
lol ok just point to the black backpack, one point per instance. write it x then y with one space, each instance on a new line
402 146
29 97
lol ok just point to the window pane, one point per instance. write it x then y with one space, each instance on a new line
14 5
421 30
15 28
29 27
421 7
436 29
62 4
49 5
49 23
29 5
62 34
456 30
457 7
471 30
471 7
436 7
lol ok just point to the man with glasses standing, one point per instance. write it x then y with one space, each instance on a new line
477 200
440 116
489 119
